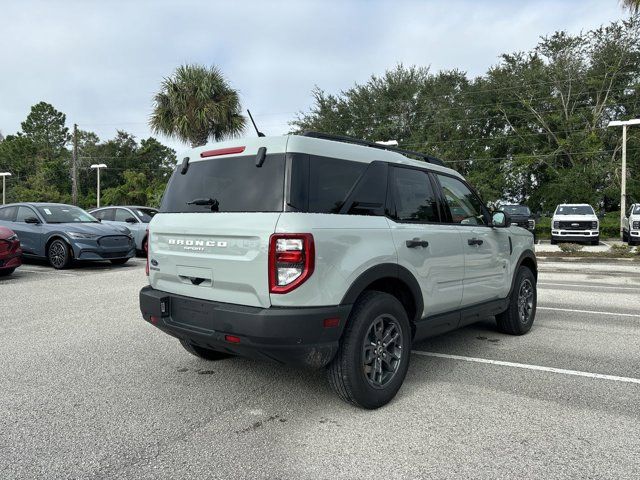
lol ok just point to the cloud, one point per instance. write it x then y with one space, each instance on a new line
101 63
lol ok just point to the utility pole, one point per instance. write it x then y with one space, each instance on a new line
74 166
623 181
4 175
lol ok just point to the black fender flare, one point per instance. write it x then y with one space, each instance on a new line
386 270
57 236
526 255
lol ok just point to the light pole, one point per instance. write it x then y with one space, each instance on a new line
98 167
623 184
4 175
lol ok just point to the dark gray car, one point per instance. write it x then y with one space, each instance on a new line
63 233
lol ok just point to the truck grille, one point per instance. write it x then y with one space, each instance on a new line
575 225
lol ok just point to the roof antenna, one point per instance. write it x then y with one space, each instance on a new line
260 134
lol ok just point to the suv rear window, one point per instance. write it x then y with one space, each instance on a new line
234 182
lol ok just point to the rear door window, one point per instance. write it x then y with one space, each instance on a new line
227 184
7 214
414 199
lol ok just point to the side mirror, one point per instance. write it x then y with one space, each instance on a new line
32 220
131 220
500 220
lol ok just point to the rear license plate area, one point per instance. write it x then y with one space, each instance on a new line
192 315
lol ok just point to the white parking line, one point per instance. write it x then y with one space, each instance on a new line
577 373
582 285
595 312
46 271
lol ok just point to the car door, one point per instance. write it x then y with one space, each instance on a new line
30 234
428 248
486 249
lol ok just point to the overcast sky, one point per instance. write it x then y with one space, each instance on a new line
101 62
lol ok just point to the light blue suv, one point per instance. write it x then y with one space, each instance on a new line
134 218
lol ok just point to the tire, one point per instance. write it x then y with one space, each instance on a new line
203 353
374 316
513 320
7 271
625 236
595 242
59 254
144 246
119 261
554 242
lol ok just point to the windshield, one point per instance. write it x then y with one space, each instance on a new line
516 209
636 210
145 214
227 184
574 210
65 214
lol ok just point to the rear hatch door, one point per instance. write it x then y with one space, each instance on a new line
211 238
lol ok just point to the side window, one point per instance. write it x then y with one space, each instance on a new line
370 193
330 181
413 196
464 205
7 213
122 215
24 213
107 214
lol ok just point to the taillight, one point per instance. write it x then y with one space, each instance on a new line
147 252
291 260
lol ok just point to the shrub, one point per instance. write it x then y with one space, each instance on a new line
621 249
570 247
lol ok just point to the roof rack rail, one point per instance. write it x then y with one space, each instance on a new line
367 143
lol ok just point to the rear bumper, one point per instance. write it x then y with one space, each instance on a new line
285 335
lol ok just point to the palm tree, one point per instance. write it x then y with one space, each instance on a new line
195 104
632 5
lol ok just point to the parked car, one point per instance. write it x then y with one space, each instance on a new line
329 252
521 216
631 225
575 222
134 218
10 251
63 233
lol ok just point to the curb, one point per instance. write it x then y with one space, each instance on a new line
586 259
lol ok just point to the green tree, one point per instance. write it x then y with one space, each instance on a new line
196 104
632 5
45 127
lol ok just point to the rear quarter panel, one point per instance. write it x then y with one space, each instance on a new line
346 246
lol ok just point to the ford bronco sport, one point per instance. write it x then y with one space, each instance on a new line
329 252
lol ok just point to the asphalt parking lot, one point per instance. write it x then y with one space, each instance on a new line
89 390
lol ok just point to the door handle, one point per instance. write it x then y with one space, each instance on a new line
475 241
416 242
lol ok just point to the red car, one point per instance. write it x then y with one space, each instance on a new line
10 252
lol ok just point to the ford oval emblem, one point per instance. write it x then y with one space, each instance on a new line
154 262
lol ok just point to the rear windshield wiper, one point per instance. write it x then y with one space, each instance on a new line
205 201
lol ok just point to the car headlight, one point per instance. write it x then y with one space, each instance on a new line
556 225
12 238
594 225
636 225
78 235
